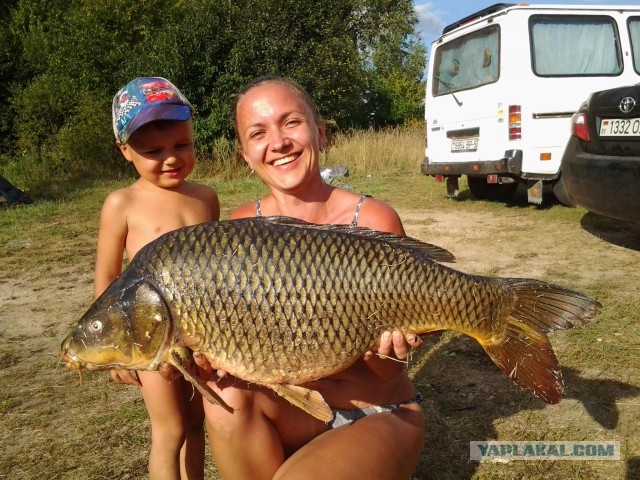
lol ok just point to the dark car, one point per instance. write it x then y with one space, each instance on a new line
601 164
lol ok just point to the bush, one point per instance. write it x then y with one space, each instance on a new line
223 160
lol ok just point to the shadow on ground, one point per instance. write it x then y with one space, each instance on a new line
617 232
465 396
517 200
633 469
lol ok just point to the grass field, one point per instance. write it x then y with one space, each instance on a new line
51 427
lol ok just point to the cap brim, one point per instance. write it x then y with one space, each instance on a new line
179 113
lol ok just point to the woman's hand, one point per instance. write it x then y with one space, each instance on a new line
390 358
398 344
168 372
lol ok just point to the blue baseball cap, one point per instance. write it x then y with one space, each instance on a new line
144 100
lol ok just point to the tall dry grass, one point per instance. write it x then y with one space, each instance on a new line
392 151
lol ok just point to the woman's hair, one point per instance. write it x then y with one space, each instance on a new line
293 85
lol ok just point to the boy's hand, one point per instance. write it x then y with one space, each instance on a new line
168 372
122 376
206 371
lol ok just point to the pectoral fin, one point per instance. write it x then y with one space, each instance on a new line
308 400
179 358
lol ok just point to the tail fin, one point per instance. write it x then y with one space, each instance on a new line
522 349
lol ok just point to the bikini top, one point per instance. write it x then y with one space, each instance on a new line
354 222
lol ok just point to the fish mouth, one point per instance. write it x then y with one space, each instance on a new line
99 360
75 363
72 363
285 160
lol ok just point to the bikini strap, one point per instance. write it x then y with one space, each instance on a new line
258 210
354 222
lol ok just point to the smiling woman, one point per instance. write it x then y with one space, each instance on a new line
280 133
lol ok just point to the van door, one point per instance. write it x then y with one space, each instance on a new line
460 122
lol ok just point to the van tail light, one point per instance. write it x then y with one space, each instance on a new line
515 122
579 126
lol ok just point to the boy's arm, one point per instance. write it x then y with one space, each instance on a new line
111 242
111 245
209 197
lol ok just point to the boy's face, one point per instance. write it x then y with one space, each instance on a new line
162 152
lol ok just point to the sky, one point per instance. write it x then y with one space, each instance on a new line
434 16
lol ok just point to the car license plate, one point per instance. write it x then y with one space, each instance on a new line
617 127
464 144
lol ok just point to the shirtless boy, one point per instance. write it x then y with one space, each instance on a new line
154 131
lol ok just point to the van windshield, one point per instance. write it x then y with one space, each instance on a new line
467 62
574 46
634 33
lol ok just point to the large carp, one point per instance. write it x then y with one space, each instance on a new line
280 302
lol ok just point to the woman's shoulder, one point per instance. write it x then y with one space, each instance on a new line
378 215
248 209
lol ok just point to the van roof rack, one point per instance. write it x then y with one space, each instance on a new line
482 13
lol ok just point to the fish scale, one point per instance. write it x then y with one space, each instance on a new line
280 302
290 260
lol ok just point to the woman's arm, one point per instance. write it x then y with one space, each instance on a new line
379 216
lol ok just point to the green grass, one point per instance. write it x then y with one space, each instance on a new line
52 427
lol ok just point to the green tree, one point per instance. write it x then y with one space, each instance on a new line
66 58
9 55
311 42
396 62
76 54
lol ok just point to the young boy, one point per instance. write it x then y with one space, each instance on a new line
153 129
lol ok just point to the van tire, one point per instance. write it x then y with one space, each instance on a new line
493 192
560 192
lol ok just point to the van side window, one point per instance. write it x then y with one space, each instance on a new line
467 62
571 46
634 34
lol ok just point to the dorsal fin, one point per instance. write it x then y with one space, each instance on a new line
431 251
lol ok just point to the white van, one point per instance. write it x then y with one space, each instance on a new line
504 82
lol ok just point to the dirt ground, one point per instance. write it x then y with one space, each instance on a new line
53 427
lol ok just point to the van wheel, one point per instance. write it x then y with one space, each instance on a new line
560 192
494 192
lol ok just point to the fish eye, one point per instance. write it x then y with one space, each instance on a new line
95 326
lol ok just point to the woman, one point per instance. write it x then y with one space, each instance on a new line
281 135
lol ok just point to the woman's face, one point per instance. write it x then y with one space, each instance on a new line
279 136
